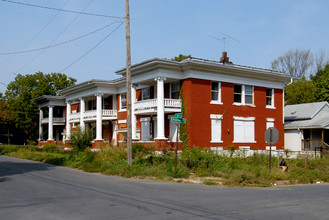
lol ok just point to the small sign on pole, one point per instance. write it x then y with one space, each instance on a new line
179 115
271 137
178 119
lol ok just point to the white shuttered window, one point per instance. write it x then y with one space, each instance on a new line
216 128
244 129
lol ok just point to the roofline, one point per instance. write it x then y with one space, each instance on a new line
48 98
197 63
90 84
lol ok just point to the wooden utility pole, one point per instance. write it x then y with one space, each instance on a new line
128 85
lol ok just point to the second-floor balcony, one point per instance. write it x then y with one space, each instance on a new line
92 115
150 105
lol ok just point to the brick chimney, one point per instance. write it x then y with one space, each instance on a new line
225 58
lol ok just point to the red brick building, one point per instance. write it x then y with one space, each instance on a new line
226 104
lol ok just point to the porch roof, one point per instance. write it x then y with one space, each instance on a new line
308 115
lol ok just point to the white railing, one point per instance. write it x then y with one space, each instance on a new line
152 103
109 113
75 116
56 120
105 113
146 104
176 103
90 114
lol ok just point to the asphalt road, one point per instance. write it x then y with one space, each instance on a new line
30 190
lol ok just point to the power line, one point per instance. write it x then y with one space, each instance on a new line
59 44
60 34
92 47
3 84
63 10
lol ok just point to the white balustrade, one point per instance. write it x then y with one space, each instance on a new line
57 120
109 113
176 103
75 116
152 103
146 104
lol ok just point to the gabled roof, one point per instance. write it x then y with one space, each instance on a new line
308 115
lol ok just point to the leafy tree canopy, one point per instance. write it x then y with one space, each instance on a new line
300 91
181 57
24 88
321 82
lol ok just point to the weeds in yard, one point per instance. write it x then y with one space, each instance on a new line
233 171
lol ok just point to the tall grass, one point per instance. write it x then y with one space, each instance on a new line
233 171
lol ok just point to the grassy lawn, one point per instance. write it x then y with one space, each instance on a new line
195 163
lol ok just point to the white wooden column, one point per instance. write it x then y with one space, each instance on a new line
160 108
68 124
82 111
50 124
99 130
40 124
133 116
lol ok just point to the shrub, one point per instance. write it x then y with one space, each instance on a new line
81 139
50 147
139 150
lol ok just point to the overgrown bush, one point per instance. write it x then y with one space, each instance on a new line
81 139
50 147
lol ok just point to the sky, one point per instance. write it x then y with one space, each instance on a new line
89 47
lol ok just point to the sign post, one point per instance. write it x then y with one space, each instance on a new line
178 119
271 137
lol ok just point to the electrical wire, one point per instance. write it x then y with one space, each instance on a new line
92 47
60 34
59 44
63 10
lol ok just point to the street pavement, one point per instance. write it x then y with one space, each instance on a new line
31 190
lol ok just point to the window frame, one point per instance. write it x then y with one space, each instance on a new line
143 91
243 95
272 98
218 91
121 99
172 91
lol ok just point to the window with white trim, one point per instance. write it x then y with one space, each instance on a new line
174 90
123 101
243 94
146 92
216 128
244 129
215 92
269 123
269 97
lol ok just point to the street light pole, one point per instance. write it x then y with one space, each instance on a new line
128 85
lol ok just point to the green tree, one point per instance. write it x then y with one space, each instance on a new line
321 83
300 91
23 89
181 57
6 120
